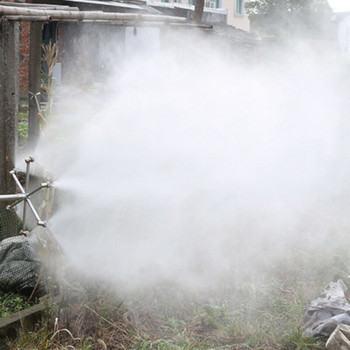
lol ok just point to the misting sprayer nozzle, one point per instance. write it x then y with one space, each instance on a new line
45 184
42 223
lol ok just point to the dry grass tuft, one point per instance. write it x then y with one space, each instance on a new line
261 312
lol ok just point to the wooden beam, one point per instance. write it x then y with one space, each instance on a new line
111 22
11 325
28 18
39 6
198 11
9 91
88 15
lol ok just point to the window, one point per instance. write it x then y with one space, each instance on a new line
239 7
213 4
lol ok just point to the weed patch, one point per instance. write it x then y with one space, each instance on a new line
10 303
262 311
23 131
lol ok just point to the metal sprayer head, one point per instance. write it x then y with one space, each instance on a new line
29 160
24 195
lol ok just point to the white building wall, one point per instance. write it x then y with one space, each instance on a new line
236 15
234 18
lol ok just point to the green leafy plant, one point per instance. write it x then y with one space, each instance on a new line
10 303
23 131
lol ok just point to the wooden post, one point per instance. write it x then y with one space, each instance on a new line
198 11
9 90
34 82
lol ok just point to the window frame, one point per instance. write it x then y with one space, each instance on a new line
239 9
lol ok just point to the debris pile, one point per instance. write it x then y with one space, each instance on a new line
325 313
329 316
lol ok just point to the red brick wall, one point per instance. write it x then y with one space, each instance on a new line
24 54
24 57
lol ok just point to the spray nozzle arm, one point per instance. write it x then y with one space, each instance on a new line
46 184
29 160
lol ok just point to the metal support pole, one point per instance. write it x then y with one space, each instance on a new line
28 161
34 82
10 197
9 90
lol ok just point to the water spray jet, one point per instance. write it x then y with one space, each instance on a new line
24 196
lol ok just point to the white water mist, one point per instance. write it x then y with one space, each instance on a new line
192 165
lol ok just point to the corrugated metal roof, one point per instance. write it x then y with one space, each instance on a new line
174 5
235 35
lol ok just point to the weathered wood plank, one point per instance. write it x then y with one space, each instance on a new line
28 18
39 6
25 319
88 15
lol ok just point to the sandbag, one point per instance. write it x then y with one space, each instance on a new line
20 265
9 224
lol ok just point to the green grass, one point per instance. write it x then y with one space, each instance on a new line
260 311
23 125
23 131
254 316
264 313
295 340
